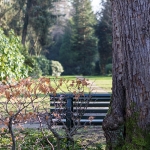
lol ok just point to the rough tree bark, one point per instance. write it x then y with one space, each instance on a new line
131 69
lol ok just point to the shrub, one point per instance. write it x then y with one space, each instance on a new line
44 64
34 69
26 100
108 69
56 68
11 59
39 66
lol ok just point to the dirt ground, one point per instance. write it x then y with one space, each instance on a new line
91 135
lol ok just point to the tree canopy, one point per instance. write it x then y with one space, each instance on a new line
61 31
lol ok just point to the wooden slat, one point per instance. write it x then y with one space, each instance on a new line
97 107
91 104
93 111
80 110
95 117
99 99
82 121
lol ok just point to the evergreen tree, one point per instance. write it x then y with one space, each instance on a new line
39 19
61 10
66 55
84 42
104 34
31 20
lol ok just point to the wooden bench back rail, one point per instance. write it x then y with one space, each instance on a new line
88 108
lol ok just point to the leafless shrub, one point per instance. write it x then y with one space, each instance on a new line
27 102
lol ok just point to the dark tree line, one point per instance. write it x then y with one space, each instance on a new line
69 38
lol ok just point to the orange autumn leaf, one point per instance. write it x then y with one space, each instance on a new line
7 94
27 94
25 118
71 85
41 88
30 113
45 80
46 117
79 82
29 86
84 83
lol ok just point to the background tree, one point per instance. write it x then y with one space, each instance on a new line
61 10
66 55
41 20
127 123
31 20
83 38
104 34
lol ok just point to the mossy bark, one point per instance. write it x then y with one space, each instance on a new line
131 69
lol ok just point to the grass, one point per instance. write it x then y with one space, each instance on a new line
33 139
65 88
104 82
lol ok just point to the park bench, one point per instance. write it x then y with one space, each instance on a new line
90 109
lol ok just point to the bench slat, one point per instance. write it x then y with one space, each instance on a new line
84 104
80 110
97 107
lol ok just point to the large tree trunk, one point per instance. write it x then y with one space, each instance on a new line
131 71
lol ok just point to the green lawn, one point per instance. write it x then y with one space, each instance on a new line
104 82
65 88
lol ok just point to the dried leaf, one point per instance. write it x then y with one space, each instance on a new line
7 94
47 117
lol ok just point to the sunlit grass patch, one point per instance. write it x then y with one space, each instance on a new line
103 82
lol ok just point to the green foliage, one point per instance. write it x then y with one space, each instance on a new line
33 139
40 21
11 59
66 54
56 68
104 34
78 46
39 66
108 68
30 20
136 138
35 71
84 42
44 64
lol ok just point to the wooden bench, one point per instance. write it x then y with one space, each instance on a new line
88 109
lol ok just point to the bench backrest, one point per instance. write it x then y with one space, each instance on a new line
88 108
